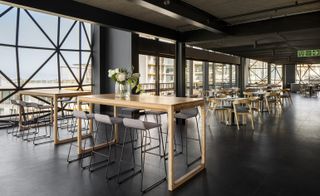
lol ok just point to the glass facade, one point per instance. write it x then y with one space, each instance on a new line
276 74
307 73
258 72
42 51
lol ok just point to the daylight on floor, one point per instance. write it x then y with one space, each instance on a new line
162 98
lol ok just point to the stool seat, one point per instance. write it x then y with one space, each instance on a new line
106 119
184 116
139 124
155 112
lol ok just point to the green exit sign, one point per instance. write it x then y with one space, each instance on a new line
308 53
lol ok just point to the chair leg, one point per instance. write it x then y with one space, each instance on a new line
236 118
121 155
198 131
252 124
109 155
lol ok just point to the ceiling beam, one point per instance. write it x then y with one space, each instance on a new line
182 11
276 25
84 12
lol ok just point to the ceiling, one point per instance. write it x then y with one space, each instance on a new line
277 46
268 30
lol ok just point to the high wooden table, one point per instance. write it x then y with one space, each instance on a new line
54 95
166 104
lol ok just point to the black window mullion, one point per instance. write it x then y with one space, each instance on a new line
16 47
58 52
80 56
41 29
5 11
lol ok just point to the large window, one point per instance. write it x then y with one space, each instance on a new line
307 73
224 75
148 71
258 72
38 50
276 74
167 71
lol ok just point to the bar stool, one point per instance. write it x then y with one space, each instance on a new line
107 120
143 126
185 115
40 123
81 115
30 119
13 120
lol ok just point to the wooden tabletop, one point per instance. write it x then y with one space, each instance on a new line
139 101
53 92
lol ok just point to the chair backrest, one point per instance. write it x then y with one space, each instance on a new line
271 94
248 94
190 111
103 118
80 114
242 102
32 105
134 123
14 102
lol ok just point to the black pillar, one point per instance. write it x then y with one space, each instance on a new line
288 75
205 70
243 74
180 69
269 73
112 49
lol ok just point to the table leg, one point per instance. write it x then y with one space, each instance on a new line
116 127
203 136
20 113
79 139
171 149
91 121
55 119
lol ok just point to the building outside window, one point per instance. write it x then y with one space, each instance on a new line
42 51
307 73
258 72
167 71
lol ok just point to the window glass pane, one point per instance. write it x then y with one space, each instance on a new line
258 72
29 64
166 76
187 71
308 73
8 34
85 42
211 76
197 77
47 76
72 40
8 66
147 70
30 34
70 69
48 23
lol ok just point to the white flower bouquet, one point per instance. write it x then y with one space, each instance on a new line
123 77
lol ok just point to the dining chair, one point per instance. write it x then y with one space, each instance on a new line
286 96
273 100
219 109
255 100
242 107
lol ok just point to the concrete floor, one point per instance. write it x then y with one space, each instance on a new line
281 157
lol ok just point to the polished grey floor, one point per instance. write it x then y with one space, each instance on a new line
281 157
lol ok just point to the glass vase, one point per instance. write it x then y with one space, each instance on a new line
122 90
